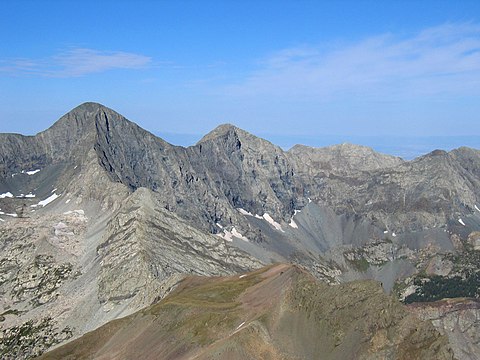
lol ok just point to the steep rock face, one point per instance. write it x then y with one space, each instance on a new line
459 320
251 172
69 135
276 313
424 193
152 244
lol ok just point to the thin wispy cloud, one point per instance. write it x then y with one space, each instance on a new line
443 60
75 62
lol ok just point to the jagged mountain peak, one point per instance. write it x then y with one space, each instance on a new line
220 130
231 131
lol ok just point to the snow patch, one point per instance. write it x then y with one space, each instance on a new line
53 190
220 226
5 195
293 224
31 172
238 235
68 200
46 201
12 215
476 207
229 235
244 212
2 213
258 216
393 234
295 212
309 200
461 222
1 219
242 276
385 232
30 195
272 222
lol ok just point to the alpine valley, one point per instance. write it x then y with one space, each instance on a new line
115 244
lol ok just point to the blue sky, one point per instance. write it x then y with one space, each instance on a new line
386 74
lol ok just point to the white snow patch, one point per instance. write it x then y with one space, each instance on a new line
272 222
12 215
385 232
68 200
244 212
461 222
47 200
293 224
53 190
309 200
238 235
295 212
393 234
31 172
1 219
476 207
20 196
258 216
220 226
2 213
5 195
242 276
30 195
228 235
239 326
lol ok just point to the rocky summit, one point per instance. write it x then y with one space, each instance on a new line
100 220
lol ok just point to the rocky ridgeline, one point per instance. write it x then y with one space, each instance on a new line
459 320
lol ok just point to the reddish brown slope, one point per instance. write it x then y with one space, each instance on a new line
279 312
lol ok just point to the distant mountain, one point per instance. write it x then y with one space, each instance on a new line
100 218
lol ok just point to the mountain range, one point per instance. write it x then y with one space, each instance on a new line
102 221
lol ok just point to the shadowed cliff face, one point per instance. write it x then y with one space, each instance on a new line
274 313
230 168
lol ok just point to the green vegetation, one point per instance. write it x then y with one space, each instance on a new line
360 264
439 287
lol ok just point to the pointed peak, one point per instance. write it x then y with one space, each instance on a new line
89 107
223 130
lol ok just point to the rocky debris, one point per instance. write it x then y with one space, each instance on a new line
474 240
31 339
376 253
459 320
439 265
38 281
